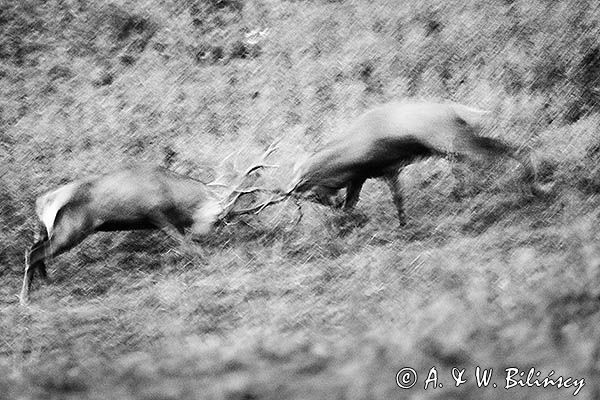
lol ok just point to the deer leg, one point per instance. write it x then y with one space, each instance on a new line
393 183
35 260
326 196
178 233
36 257
457 163
69 230
40 236
353 193
173 230
29 275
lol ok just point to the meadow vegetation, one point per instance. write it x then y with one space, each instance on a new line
334 306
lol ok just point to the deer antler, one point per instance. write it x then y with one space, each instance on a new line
219 180
274 199
229 202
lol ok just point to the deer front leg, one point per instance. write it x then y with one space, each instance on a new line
326 196
173 230
353 193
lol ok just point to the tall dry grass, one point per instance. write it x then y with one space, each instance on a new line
332 307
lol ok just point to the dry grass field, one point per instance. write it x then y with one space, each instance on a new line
331 307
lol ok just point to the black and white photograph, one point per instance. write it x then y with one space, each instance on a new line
300 199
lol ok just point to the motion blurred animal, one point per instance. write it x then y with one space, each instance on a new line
130 199
384 140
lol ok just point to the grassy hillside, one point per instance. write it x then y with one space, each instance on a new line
335 306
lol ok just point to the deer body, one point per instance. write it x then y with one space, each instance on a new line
124 200
384 140
128 199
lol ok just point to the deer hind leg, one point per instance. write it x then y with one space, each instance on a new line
29 273
460 173
68 232
41 236
35 259
393 182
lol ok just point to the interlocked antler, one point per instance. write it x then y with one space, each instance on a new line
229 201
275 198
218 181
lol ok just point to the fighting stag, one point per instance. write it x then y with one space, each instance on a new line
131 199
384 140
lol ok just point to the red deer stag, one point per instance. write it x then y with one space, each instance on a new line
384 140
130 199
